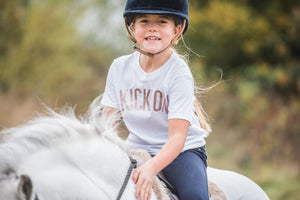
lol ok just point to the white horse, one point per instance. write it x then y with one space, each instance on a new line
62 157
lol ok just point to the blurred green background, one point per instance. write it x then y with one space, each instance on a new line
57 52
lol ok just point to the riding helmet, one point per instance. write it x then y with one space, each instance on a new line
176 8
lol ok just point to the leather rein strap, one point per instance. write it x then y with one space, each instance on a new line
36 197
132 166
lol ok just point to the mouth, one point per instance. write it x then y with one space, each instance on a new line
152 38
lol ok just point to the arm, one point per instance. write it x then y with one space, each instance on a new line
111 112
143 176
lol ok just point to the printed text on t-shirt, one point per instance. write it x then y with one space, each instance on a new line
144 99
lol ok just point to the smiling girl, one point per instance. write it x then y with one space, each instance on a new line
153 88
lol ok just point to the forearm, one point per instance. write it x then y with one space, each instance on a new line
112 113
143 175
168 153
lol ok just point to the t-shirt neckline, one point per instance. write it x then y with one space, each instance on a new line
157 71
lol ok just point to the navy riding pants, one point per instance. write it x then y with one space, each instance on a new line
188 175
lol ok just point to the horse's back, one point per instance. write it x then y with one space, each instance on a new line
236 186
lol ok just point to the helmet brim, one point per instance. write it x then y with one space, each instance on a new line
130 15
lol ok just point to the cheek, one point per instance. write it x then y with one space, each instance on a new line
169 35
138 33
138 29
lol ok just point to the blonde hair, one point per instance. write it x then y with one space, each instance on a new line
202 116
199 111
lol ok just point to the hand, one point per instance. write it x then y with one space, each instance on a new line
143 178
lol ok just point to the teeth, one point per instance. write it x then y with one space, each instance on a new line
152 38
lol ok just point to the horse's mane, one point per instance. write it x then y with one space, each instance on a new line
43 131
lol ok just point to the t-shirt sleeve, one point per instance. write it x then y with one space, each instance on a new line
181 98
110 97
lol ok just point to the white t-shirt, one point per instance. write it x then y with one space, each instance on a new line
148 100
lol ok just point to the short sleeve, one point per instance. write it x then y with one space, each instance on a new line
181 98
110 97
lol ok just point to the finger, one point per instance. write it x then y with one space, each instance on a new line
142 188
138 189
146 189
149 193
135 176
143 193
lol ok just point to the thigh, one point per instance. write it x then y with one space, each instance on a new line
187 174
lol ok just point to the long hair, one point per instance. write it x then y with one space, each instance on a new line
199 91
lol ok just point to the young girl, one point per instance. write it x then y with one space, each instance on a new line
153 89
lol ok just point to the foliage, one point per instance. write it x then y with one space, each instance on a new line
61 49
257 46
42 52
254 39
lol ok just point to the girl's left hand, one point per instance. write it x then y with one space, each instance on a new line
143 178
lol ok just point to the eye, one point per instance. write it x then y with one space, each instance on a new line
144 21
9 171
163 21
8 174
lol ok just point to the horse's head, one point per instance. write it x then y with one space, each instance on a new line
15 187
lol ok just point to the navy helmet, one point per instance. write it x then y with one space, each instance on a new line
177 8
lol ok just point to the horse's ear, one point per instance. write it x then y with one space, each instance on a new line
25 187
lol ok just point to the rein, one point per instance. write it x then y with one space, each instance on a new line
36 197
130 169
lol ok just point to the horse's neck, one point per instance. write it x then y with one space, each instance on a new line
40 133
61 153
90 162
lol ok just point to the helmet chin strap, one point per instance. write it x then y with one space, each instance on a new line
135 47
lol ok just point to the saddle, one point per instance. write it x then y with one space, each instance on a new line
163 189
171 192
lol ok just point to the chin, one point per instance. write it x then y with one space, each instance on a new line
153 50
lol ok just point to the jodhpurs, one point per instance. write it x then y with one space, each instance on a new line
187 174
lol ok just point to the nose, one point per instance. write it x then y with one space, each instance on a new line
152 26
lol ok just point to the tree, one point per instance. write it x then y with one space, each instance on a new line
42 51
257 39
257 45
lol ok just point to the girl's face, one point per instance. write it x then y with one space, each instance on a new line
154 32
